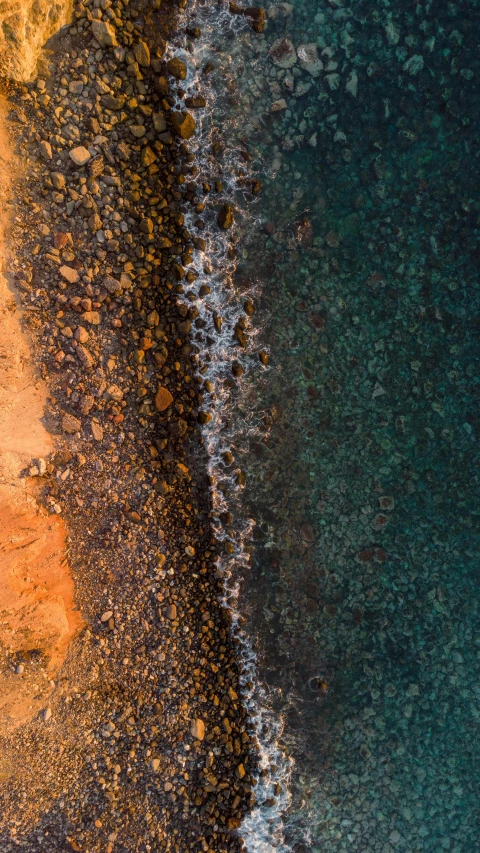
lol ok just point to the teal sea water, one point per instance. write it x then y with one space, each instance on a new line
362 594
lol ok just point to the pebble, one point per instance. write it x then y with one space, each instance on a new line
71 424
80 155
70 274
163 399
197 729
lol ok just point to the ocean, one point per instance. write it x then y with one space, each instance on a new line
339 331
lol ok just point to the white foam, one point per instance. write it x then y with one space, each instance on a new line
233 422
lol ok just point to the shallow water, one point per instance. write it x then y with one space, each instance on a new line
359 442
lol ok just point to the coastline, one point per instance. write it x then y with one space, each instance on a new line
144 741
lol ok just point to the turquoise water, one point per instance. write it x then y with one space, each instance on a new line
362 599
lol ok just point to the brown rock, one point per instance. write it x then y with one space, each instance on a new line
197 729
104 33
225 216
183 124
177 68
163 399
70 424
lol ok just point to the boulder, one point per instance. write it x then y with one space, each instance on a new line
283 53
104 33
183 124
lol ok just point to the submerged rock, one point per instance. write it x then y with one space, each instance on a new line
283 53
225 217
309 59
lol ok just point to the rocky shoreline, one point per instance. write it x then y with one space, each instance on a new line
144 742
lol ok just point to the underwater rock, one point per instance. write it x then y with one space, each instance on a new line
282 53
309 59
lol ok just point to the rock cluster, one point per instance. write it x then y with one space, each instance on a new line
145 734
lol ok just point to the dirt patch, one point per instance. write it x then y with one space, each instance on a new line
37 615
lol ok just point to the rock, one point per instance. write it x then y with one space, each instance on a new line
138 130
196 102
47 714
147 157
197 729
112 102
159 122
177 68
58 180
97 430
46 150
70 274
283 53
81 335
163 399
80 155
279 105
142 54
309 59
171 611
225 218
183 124
104 33
70 424
106 616
85 356
414 65
155 764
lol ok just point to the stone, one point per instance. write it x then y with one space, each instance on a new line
283 53
58 180
106 616
163 399
25 27
142 54
75 87
177 68
70 274
183 124
171 611
104 34
46 150
279 106
97 430
138 130
159 122
155 764
70 424
80 155
147 157
47 714
81 335
112 102
197 729
309 59
225 218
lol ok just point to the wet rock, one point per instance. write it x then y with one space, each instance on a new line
309 59
183 124
283 53
177 68
225 218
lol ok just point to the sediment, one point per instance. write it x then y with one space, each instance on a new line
143 742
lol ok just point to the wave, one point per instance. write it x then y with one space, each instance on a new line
234 421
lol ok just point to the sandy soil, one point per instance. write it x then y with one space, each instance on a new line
37 614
